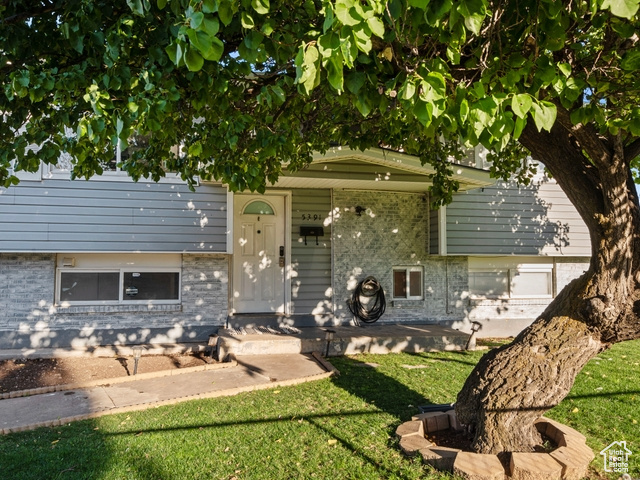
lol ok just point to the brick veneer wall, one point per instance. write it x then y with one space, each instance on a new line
30 319
393 231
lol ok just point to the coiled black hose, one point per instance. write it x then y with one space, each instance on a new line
369 287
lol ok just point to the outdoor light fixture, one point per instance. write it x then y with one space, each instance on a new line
328 336
137 353
360 210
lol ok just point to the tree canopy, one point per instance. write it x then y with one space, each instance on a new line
246 85
243 86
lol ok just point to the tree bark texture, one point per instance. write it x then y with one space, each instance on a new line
514 385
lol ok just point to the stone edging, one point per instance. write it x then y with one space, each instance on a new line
567 462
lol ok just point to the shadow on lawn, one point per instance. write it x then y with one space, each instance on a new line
379 389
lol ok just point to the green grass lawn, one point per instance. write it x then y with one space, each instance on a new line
341 428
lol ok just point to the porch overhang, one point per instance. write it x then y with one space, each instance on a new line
375 169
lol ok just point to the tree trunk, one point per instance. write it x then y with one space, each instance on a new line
514 385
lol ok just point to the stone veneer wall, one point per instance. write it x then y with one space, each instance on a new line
393 231
30 319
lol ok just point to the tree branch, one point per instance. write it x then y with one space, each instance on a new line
632 150
577 177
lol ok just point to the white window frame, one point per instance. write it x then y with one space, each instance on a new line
121 300
511 272
408 270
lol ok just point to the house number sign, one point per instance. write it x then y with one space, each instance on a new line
309 216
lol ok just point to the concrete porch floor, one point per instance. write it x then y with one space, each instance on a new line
343 340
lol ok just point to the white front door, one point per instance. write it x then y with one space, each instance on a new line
259 254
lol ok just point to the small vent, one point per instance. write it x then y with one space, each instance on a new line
69 262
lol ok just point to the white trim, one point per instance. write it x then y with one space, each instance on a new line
230 213
287 195
442 230
407 286
403 161
288 212
121 300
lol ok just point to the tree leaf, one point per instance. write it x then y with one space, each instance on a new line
521 104
247 20
225 12
355 81
136 7
346 12
421 4
376 25
162 4
334 72
544 115
473 12
631 61
423 112
362 38
307 73
193 60
621 8
196 19
519 127
260 6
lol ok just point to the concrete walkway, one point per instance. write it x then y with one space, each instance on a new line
50 406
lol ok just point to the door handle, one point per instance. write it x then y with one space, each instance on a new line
281 259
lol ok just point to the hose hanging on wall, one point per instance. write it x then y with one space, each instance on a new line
369 287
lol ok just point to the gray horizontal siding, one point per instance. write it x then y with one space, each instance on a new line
311 263
94 216
509 220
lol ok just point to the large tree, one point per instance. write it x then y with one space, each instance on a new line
246 85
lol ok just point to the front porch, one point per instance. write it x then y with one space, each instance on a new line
339 340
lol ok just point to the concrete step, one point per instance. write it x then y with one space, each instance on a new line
342 340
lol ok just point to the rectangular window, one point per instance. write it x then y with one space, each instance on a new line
151 286
116 279
489 284
89 286
407 283
503 279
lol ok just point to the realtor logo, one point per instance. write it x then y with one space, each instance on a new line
616 457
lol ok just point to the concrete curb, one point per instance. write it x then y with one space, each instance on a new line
144 406
115 380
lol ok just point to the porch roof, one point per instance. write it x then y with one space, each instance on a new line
375 169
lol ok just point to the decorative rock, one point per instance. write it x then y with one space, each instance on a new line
534 466
477 466
440 458
412 428
433 421
557 431
412 444
574 461
453 421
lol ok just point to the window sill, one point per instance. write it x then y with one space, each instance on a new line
400 303
119 308
490 302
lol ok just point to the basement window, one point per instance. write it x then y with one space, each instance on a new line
506 278
107 279
407 283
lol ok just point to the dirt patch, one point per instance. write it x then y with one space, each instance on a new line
23 374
